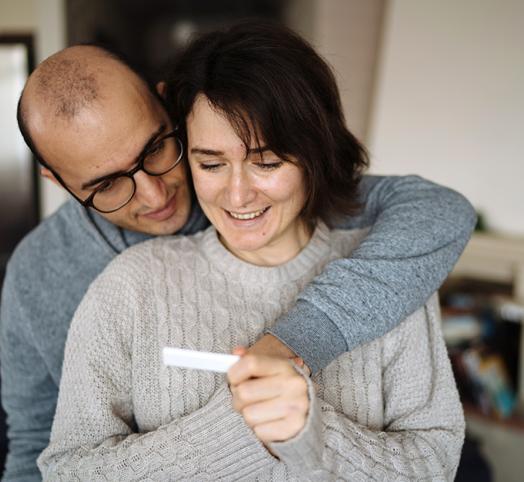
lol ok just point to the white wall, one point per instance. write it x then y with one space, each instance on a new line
449 103
45 19
17 15
14 155
347 34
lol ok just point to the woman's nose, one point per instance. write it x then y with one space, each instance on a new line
150 190
241 190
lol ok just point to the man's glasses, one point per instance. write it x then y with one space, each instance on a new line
116 191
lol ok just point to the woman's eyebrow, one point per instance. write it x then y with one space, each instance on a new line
144 150
257 150
206 152
213 152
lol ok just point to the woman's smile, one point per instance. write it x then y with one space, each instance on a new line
247 216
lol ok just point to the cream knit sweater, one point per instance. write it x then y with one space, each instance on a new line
389 410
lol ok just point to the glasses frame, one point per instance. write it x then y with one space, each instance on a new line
88 202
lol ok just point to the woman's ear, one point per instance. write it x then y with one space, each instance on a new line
161 88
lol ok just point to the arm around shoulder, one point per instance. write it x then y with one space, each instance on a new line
416 231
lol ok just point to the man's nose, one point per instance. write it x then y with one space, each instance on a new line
150 190
241 189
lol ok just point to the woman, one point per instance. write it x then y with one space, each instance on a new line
272 165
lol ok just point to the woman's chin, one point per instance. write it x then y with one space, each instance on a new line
236 245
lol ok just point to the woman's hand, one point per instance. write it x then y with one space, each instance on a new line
271 346
270 394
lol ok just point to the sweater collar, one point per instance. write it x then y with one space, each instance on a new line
317 249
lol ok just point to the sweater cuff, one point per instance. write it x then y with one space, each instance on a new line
232 448
305 449
310 334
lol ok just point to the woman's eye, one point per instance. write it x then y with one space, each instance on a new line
268 166
210 166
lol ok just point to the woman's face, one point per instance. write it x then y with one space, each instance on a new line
253 201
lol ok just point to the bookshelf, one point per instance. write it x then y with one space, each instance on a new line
499 259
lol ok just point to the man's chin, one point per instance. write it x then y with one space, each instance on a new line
167 220
162 228
154 227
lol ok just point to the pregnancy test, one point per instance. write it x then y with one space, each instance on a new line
199 360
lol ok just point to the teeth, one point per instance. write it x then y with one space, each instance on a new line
247 215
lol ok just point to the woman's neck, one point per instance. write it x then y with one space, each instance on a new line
280 251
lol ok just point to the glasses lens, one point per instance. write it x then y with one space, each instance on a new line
114 195
163 156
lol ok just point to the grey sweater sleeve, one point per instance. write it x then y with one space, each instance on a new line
29 405
423 427
94 434
418 230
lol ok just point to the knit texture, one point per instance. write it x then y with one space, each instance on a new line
389 410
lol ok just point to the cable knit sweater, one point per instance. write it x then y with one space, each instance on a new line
389 410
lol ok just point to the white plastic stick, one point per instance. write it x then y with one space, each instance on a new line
199 360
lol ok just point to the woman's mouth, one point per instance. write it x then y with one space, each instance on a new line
247 216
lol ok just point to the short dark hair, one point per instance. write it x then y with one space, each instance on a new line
268 80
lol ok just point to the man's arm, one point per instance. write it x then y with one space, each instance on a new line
28 392
418 230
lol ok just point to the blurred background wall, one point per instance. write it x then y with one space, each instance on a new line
449 103
45 22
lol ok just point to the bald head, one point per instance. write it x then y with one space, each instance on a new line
67 81
73 79
64 85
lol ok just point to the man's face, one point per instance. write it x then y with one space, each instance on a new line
107 138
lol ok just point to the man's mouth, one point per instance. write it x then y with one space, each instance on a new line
165 212
247 216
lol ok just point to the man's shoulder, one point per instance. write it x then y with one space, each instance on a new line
59 258
47 277
48 241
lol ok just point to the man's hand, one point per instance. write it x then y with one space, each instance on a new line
270 394
271 346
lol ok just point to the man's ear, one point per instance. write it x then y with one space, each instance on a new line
45 172
161 88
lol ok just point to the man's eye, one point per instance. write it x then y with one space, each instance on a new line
155 149
106 186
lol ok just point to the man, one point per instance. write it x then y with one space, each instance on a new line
100 133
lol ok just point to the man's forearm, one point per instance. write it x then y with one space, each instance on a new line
417 231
